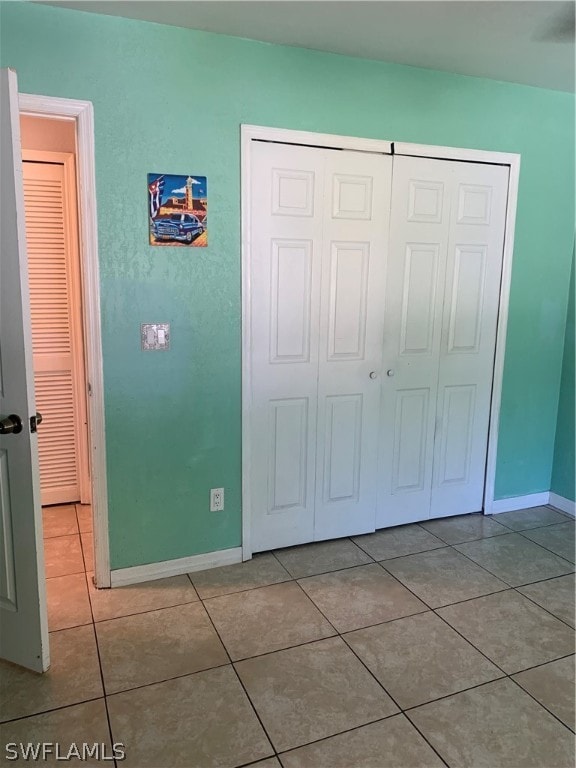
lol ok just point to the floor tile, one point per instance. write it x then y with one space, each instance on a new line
557 538
321 557
396 542
359 597
313 691
555 595
87 540
553 686
535 517
266 619
59 521
84 516
271 762
457 530
74 676
68 603
443 576
420 658
495 726
139 598
63 556
197 721
515 559
261 571
80 724
390 743
150 647
513 632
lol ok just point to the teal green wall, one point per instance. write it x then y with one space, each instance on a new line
563 481
172 100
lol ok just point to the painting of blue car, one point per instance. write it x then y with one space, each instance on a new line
177 210
179 226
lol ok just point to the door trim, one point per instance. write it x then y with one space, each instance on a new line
250 133
83 114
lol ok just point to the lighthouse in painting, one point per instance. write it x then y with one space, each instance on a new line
189 195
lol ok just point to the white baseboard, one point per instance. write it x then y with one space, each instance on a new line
519 502
152 571
563 504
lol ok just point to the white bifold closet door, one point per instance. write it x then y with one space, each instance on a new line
319 231
440 316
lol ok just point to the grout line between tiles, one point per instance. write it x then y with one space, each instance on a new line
165 680
287 648
466 541
240 682
505 675
501 578
148 610
534 527
559 618
247 589
52 709
433 610
377 681
406 711
340 733
100 667
523 533
401 711
539 702
539 581
333 570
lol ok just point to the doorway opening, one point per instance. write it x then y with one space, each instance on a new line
60 222
58 339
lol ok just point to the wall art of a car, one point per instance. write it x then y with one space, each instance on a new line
179 226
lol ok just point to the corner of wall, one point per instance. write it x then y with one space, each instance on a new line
563 469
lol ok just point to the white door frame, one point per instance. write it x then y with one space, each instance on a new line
83 114
252 132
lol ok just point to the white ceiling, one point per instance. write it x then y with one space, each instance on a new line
522 41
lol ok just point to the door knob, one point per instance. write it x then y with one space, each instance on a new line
390 372
10 425
373 374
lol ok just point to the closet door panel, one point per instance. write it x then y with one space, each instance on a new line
415 277
354 253
286 229
466 362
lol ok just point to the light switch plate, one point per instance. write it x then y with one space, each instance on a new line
155 336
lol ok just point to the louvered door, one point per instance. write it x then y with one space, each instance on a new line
55 299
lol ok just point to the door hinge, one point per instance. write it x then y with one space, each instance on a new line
89 389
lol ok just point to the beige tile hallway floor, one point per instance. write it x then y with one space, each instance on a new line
449 643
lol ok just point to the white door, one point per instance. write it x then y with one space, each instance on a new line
318 250
23 620
441 309
354 250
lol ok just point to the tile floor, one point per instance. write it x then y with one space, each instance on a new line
446 643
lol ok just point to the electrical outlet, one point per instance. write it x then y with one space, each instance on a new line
216 499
